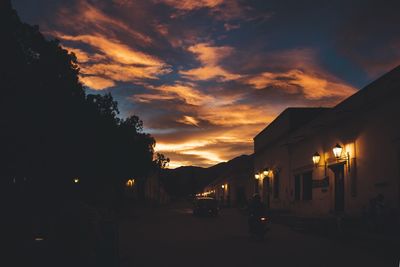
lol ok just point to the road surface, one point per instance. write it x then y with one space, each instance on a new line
174 237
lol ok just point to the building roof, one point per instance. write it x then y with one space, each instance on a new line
288 121
375 94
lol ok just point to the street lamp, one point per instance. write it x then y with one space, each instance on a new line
316 158
130 182
337 151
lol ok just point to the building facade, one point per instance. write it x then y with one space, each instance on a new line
327 161
232 188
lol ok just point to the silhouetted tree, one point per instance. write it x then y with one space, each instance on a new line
161 161
52 132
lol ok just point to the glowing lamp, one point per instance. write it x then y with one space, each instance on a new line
130 182
337 151
257 176
265 172
76 180
223 186
316 158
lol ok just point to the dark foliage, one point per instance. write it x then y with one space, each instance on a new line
52 132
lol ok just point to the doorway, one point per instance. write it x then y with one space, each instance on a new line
338 170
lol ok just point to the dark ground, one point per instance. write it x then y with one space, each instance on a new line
172 236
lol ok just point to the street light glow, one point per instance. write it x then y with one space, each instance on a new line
337 151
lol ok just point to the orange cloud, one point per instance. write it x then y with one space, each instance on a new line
235 115
313 86
114 49
192 4
95 19
124 73
96 83
113 62
209 56
189 120
184 91
83 56
206 148
209 72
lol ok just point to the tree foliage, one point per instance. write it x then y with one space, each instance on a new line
52 131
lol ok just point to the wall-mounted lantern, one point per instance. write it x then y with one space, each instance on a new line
130 183
337 151
316 159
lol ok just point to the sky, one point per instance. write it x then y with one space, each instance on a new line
206 76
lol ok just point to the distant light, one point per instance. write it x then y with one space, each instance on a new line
130 183
257 176
266 172
76 180
39 238
223 186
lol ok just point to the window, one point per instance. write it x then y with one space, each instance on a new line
307 186
297 184
276 185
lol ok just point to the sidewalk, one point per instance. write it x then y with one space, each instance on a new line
333 227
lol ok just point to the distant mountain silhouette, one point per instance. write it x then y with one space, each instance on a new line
186 180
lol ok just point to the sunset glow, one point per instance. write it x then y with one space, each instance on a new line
206 76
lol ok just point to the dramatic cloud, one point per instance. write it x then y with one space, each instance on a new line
192 4
112 62
97 83
299 82
114 49
189 120
94 20
184 91
206 76
209 56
